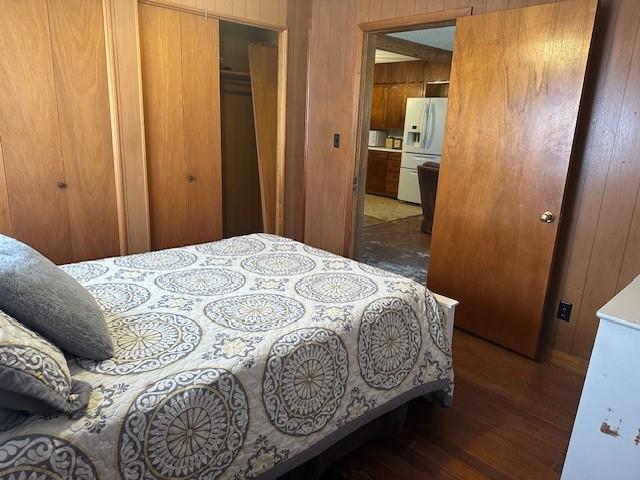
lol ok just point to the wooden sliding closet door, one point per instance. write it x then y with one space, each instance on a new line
55 130
181 91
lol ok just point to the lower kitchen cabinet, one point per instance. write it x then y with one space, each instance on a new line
383 173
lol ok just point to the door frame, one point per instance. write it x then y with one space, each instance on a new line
365 56
125 91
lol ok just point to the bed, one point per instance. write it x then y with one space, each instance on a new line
237 359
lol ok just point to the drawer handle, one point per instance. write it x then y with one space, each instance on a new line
191 178
62 185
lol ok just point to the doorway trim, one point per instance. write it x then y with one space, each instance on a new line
364 79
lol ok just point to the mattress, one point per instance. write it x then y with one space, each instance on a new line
236 359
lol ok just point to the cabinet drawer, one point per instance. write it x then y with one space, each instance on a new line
393 166
395 157
377 155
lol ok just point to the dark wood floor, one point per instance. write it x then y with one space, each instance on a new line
511 419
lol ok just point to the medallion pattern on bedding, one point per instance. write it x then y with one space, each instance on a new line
234 358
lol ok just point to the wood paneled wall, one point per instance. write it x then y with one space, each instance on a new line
266 12
599 249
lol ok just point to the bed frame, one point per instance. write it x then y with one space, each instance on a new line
449 308
391 423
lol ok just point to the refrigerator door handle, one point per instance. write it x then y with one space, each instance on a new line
424 122
432 123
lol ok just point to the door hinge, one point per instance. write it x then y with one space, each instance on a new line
355 184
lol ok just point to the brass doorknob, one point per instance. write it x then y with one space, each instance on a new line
547 217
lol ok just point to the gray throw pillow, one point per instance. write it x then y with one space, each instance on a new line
34 376
50 302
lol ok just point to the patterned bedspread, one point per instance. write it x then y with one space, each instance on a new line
235 359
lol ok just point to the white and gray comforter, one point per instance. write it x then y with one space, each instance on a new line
235 359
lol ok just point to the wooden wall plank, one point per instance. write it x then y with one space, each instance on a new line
160 42
80 72
239 8
375 10
28 111
616 211
202 127
252 9
405 8
270 11
420 6
435 5
6 227
479 6
617 37
495 5
224 7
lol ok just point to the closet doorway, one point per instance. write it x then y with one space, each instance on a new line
214 102
248 90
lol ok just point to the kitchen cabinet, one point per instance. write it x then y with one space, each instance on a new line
389 103
376 172
383 173
378 106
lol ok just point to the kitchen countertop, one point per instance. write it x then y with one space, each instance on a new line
384 149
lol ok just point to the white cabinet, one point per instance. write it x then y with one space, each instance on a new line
605 441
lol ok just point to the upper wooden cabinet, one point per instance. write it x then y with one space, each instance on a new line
395 82
378 107
395 107
389 103
58 190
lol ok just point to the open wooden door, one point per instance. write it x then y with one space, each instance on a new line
516 86
263 63
180 61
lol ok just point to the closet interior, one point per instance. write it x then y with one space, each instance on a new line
248 90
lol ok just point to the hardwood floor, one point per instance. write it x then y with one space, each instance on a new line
511 419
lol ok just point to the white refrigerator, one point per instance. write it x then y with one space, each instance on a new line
424 124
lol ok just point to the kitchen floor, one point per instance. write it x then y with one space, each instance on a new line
378 209
398 246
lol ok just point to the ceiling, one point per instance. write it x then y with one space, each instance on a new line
442 37
383 56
